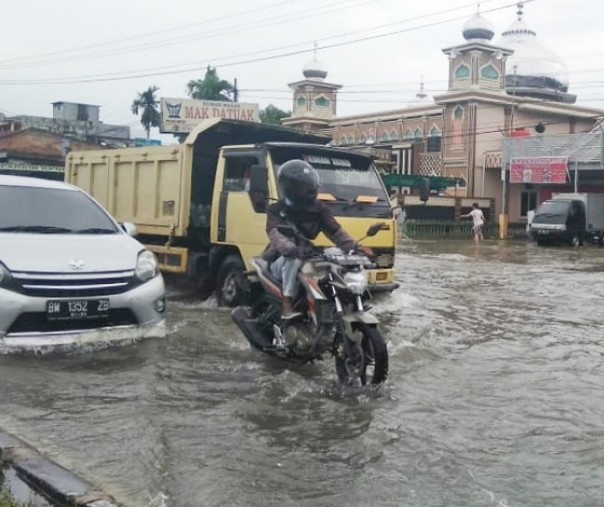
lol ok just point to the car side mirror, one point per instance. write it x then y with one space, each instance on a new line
259 187
424 190
129 228
375 228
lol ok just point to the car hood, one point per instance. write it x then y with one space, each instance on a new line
53 253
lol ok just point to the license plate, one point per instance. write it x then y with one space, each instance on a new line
77 309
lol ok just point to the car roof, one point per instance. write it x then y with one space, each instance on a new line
27 181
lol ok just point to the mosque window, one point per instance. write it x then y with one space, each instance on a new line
409 136
418 134
434 140
301 101
462 72
384 137
352 139
458 112
489 72
322 102
394 135
363 138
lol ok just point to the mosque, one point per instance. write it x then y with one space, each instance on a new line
515 87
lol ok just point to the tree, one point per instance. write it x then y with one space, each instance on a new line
273 115
211 87
147 103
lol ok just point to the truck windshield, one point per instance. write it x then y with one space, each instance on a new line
553 208
51 211
344 175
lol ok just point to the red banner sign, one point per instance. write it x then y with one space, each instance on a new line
538 170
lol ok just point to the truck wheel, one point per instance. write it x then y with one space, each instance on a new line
575 241
231 283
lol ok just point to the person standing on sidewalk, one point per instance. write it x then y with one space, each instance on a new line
478 217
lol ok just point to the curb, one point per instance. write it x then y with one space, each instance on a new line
48 478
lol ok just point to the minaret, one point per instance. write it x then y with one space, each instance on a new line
314 98
477 64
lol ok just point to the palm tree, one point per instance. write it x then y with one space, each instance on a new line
211 87
147 102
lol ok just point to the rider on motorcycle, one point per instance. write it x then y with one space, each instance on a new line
299 182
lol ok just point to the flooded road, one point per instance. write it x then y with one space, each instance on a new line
496 398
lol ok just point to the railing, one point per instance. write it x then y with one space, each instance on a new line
424 229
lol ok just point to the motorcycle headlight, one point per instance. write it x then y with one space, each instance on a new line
356 281
146 266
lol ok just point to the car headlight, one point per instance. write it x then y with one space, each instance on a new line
356 281
146 266
4 275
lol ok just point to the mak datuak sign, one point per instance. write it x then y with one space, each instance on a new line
183 115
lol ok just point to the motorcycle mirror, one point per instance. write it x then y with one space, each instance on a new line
375 228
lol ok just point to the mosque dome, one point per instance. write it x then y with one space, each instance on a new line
479 28
314 70
533 69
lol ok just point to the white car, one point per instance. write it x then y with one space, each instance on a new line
70 275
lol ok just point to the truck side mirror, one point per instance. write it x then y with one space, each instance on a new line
424 190
259 187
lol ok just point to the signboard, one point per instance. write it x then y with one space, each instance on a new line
17 165
141 141
538 170
183 115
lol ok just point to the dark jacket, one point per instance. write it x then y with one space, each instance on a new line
310 222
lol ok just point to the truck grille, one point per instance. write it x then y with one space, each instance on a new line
70 285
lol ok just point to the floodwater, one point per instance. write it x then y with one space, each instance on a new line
496 398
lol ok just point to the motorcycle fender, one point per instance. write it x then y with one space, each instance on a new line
360 317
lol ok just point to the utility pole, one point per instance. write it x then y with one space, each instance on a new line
503 218
235 91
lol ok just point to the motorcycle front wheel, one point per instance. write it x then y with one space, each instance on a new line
364 363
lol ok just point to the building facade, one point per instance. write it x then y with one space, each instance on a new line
514 87
78 121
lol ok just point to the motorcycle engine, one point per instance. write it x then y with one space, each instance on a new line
298 338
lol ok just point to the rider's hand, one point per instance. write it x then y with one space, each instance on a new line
365 250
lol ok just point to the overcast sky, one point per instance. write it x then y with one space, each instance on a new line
46 47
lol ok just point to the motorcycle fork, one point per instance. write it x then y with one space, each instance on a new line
342 346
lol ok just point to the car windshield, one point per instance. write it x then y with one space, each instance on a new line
344 175
553 208
51 210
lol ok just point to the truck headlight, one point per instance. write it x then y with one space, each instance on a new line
146 266
356 281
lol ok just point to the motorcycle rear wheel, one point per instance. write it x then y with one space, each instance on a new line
367 363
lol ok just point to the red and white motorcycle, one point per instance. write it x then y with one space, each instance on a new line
335 316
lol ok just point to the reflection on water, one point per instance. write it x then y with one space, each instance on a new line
495 398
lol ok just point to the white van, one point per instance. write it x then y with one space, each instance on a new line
70 275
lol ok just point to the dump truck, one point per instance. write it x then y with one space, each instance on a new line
200 206
570 218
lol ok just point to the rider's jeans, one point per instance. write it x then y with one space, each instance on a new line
285 269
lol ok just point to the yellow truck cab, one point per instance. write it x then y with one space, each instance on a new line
201 205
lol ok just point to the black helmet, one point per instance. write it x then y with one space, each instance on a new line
299 181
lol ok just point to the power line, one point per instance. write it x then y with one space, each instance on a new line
148 34
207 34
90 79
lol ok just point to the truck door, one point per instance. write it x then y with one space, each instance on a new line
241 215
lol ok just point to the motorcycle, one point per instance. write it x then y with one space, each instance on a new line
334 319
